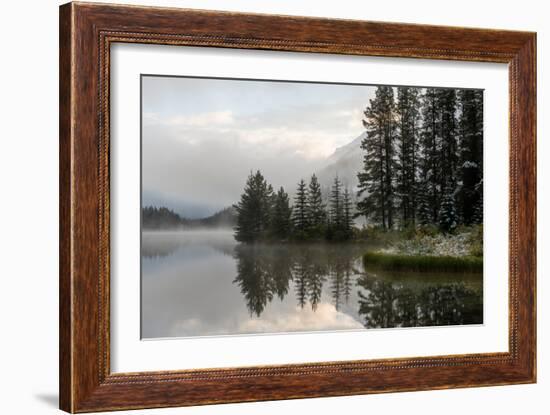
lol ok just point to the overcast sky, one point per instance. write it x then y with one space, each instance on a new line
202 137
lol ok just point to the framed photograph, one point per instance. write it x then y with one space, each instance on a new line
258 207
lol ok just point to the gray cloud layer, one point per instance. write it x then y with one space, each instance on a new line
202 137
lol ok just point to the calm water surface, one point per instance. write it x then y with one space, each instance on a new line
202 283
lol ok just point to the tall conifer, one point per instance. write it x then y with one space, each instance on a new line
300 219
316 209
376 179
470 172
281 221
408 115
254 209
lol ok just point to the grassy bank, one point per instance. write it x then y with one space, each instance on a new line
423 263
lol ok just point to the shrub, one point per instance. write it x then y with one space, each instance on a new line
427 230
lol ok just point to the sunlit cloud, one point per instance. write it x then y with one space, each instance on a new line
326 318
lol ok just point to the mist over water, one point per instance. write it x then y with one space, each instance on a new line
202 283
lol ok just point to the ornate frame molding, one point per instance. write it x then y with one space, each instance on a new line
86 33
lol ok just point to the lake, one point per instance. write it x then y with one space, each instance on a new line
203 283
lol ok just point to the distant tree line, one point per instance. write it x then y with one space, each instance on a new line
153 217
263 214
423 158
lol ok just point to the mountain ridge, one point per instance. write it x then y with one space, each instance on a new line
345 162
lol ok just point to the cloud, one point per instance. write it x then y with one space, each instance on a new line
206 119
326 317
201 138
289 320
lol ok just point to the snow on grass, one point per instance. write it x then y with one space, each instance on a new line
458 245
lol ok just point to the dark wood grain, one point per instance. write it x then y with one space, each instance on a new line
86 33
65 247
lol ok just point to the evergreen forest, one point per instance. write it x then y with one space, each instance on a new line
422 166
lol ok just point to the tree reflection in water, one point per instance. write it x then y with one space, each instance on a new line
268 271
262 274
388 304
265 271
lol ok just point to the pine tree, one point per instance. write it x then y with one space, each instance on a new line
470 172
447 211
254 209
340 218
300 219
424 210
336 205
408 115
347 219
430 159
316 209
477 216
281 223
376 179
449 143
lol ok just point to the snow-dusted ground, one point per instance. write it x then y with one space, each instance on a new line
439 245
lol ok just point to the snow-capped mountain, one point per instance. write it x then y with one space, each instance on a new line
345 162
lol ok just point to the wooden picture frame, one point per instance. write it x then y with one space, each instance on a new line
86 33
